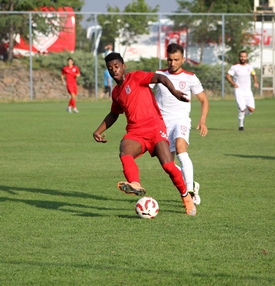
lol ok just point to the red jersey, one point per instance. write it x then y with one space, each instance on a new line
70 73
135 98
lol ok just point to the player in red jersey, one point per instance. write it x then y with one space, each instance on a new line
71 72
145 128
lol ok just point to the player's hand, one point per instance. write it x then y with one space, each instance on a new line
203 129
181 96
256 85
99 138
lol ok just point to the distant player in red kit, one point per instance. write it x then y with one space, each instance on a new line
71 72
145 128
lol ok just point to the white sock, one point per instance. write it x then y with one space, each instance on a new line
247 112
186 169
241 118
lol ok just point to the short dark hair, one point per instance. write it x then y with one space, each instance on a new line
173 48
114 56
243 51
70 59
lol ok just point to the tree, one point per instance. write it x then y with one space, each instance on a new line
12 23
204 29
129 26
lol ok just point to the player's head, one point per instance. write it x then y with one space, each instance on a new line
116 67
243 57
70 61
175 57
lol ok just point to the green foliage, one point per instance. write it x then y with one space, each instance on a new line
85 61
146 64
126 27
204 29
64 222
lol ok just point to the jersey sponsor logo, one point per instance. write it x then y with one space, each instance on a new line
182 84
128 89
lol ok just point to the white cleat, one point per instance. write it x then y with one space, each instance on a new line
69 109
196 197
75 110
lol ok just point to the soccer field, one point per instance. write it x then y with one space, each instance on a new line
64 222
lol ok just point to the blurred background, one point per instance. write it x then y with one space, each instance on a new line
36 42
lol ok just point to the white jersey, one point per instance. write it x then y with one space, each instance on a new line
170 106
242 75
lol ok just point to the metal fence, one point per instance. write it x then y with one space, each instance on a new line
44 40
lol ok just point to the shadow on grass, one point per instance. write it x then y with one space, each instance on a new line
53 205
72 207
202 276
14 190
222 129
58 205
252 156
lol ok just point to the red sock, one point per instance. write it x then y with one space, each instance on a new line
70 102
130 168
176 177
73 103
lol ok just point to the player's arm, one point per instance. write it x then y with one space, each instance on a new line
204 111
63 78
108 121
230 80
255 79
159 78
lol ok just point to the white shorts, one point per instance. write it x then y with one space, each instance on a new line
244 98
178 128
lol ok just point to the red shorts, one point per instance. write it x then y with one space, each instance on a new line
148 138
72 89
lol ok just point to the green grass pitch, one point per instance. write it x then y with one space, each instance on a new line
64 222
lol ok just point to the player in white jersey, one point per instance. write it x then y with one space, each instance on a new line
239 76
176 114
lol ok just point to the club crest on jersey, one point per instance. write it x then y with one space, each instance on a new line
128 89
183 129
74 69
182 84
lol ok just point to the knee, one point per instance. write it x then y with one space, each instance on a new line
251 109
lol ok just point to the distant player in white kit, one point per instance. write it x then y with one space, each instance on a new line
239 76
176 113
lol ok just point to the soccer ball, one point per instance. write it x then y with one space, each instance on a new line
147 207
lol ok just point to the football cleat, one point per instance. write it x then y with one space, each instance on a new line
241 128
69 109
195 193
189 205
131 188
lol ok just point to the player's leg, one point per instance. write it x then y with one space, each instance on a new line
73 103
240 100
74 94
250 103
165 157
70 103
179 142
186 167
129 150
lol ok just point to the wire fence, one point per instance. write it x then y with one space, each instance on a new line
41 42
